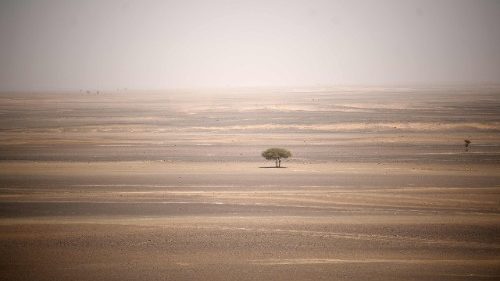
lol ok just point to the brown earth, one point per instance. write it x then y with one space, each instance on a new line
171 186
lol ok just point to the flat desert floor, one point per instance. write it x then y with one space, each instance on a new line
171 186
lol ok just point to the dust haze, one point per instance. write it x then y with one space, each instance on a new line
131 136
109 45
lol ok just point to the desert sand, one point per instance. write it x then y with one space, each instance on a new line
171 185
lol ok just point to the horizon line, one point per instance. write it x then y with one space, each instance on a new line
298 88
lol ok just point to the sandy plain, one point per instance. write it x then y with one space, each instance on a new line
171 186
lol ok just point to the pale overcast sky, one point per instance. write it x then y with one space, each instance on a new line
98 44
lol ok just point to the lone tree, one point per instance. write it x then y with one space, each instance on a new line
467 144
276 154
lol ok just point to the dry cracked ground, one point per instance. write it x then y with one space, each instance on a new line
171 186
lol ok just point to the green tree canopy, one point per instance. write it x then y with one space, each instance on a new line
276 154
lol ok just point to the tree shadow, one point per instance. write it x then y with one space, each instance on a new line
272 167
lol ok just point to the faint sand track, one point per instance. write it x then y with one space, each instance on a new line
365 237
305 261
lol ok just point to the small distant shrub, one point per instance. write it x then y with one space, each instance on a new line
467 144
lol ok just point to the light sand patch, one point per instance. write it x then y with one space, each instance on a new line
258 221
160 167
305 261
350 127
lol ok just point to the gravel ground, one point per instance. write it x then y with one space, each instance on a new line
152 187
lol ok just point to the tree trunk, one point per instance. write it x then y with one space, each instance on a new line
279 162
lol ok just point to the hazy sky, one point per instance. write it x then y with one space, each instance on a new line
98 44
